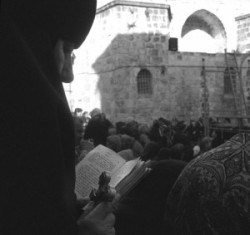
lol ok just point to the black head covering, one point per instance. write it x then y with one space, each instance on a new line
69 20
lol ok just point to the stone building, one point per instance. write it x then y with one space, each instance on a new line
243 32
150 59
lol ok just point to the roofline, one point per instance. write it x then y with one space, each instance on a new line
242 17
134 4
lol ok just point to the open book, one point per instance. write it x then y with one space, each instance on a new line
124 174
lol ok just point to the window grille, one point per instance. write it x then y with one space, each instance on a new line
229 82
144 82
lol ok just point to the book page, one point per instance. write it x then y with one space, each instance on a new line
132 180
90 168
122 172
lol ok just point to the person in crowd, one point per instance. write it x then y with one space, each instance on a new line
212 194
161 132
196 150
37 153
177 151
114 142
217 139
180 135
163 154
205 144
78 112
188 154
112 131
85 118
127 154
141 211
143 131
150 151
194 131
131 128
129 142
97 128
120 126
78 131
95 112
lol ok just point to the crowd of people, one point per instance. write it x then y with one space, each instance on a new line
198 184
157 205
160 140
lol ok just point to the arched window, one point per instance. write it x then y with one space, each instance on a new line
144 82
229 80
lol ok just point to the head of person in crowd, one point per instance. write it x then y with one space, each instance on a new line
78 112
205 144
137 148
95 112
112 130
85 118
143 129
97 128
114 142
180 126
120 126
127 142
131 128
177 151
127 154
86 114
196 150
151 150
143 132
144 139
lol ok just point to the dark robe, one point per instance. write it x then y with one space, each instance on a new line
212 194
141 211
37 165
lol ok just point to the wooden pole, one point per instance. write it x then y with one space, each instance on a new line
205 100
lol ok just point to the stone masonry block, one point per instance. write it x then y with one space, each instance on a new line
156 60
154 52
149 45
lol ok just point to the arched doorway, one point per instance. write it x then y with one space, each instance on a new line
203 32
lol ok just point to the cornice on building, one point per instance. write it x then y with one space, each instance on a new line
242 17
135 4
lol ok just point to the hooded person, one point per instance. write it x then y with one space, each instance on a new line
37 170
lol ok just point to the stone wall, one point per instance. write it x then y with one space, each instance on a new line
128 54
178 87
243 33
129 36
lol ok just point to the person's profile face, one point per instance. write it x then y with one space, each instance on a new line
63 55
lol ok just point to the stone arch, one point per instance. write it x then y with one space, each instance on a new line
209 23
